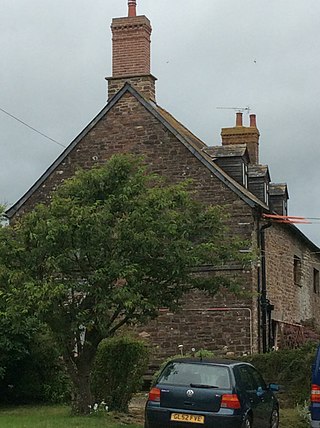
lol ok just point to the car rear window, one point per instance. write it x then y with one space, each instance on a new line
179 373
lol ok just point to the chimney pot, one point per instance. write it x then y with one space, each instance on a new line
253 121
239 119
132 6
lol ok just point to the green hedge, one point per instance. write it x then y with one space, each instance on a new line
38 377
119 366
289 368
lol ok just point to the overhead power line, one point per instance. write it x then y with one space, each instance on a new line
31 127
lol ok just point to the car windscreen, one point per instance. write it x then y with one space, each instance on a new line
207 375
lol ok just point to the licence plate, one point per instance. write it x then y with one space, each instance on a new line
182 417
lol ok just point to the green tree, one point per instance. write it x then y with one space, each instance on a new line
13 341
16 330
113 245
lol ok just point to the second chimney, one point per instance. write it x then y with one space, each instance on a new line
243 135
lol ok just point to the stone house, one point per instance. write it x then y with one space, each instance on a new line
283 303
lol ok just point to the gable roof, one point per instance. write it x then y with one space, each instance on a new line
187 138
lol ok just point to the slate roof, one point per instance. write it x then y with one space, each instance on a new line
232 150
255 171
278 189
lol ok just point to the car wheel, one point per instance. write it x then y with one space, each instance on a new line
247 423
274 420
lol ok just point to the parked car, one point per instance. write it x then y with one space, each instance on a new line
315 392
212 394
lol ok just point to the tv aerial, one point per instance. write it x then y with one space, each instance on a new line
237 109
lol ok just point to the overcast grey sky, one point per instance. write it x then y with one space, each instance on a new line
205 53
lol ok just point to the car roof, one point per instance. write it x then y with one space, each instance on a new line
214 361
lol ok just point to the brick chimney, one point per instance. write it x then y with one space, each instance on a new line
131 57
243 135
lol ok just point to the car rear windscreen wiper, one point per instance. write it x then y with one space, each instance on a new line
201 385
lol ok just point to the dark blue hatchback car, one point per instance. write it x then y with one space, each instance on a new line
212 394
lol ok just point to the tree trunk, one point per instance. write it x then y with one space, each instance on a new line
80 375
82 401
79 366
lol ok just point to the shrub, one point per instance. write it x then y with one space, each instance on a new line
39 376
119 366
291 369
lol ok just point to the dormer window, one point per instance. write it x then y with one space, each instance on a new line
278 198
259 180
233 160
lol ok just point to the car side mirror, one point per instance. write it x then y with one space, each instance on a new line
274 387
260 391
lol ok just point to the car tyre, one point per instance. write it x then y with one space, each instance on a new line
274 420
247 422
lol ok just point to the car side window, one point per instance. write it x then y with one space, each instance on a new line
257 378
246 379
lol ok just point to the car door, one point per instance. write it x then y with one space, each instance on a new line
251 394
266 396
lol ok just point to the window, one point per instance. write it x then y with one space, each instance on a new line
257 378
180 373
316 281
246 380
284 207
245 175
250 379
297 270
266 193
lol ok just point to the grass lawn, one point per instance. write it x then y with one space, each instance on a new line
289 418
56 417
59 417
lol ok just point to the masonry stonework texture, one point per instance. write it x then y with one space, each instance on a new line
128 127
297 302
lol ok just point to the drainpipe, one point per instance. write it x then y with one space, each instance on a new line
259 287
264 303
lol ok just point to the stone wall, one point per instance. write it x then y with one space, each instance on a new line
294 302
223 324
129 127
